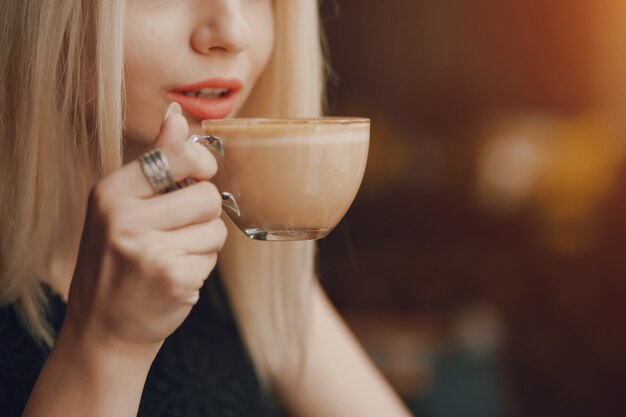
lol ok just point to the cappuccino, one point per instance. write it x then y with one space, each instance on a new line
291 179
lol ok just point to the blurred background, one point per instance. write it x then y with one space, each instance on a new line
483 263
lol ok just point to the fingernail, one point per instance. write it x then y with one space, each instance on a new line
174 107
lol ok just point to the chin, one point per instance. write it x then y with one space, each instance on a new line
195 126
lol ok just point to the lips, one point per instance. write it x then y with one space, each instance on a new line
209 99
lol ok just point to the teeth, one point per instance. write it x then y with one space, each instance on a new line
213 91
207 93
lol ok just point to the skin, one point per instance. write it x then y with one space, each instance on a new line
128 291
223 39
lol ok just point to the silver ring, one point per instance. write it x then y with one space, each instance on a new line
157 170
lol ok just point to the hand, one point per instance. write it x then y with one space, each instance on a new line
143 258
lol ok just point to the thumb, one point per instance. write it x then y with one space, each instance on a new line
174 127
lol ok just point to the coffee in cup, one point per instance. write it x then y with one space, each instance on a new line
287 179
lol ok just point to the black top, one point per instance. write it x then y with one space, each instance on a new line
202 370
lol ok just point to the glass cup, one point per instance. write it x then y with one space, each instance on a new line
287 179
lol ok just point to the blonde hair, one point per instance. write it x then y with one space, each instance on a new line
269 283
49 157
48 153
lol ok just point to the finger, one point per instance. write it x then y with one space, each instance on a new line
193 298
174 127
194 269
185 159
200 202
197 239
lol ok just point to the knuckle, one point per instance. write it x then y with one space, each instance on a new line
210 165
100 197
162 269
211 261
114 230
193 300
212 199
206 163
221 232
184 152
108 216
120 242
211 191
124 235
169 285
201 162
107 196
119 225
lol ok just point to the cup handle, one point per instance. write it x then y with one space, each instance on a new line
211 142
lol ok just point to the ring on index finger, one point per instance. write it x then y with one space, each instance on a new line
157 170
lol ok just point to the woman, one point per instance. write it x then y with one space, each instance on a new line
85 88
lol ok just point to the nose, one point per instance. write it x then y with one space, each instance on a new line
223 28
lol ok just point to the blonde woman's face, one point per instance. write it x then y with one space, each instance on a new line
204 54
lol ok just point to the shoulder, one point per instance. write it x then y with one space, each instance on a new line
21 360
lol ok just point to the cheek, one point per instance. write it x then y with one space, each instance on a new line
263 44
139 126
144 57
154 32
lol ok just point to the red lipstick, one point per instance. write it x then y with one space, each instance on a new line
209 99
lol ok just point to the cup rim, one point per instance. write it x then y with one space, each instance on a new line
325 120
